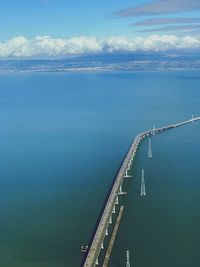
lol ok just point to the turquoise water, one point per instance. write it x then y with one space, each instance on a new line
63 137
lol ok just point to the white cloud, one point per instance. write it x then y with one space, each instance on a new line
163 21
46 46
158 7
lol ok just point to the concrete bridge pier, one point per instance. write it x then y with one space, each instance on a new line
114 211
106 233
133 155
121 191
127 175
117 200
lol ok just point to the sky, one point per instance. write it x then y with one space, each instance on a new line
31 28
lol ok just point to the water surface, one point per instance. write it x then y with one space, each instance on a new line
62 139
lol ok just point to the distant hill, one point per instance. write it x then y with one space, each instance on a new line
106 62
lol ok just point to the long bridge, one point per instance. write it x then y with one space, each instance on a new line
93 251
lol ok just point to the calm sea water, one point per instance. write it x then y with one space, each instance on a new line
62 139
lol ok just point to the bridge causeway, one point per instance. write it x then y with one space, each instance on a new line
112 240
92 254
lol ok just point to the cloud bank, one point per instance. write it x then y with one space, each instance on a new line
173 28
159 7
22 47
156 8
161 21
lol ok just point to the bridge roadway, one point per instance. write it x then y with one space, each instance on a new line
94 249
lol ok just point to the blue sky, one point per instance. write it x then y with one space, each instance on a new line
133 24
62 18
68 18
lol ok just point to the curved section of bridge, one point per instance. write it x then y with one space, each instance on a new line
91 258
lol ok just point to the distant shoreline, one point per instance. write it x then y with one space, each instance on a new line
97 70
105 63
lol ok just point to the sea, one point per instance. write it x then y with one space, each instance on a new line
63 137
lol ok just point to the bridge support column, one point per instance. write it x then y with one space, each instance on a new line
110 221
192 118
102 246
154 130
127 175
97 261
121 192
106 231
113 211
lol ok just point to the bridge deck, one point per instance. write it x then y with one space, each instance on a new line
95 247
112 240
